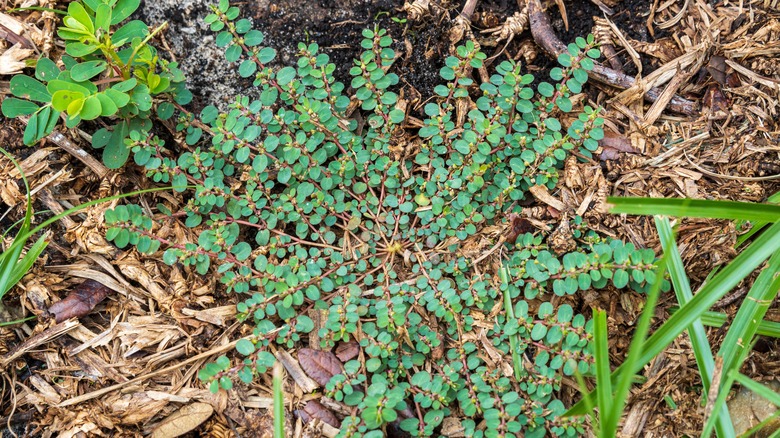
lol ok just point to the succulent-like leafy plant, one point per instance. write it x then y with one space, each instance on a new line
107 72
303 209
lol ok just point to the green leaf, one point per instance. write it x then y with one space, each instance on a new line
247 68
123 9
545 89
77 11
253 38
62 99
620 278
87 70
13 107
29 88
116 152
266 55
46 70
132 29
91 108
120 99
103 17
165 110
31 132
245 347
285 75
79 50
564 104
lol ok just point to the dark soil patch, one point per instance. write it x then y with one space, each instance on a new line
337 26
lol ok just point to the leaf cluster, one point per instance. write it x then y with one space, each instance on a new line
109 71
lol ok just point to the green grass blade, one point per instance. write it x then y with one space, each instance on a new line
750 314
696 208
758 388
757 225
20 268
278 400
517 360
717 319
715 289
603 371
740 338
698 335
17 321
625 380
9 267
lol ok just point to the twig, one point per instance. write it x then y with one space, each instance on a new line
37 340
59 139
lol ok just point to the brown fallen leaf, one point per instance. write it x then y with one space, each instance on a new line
315 409
613 144
319 365
184 420
347 351
717 68
716 102
80 301
518 226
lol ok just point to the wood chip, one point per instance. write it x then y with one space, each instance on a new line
184 420
295 370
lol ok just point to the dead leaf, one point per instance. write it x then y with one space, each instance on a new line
716 102
80 301
717 68
518 226
315 409
617 141
319 365
184 420
347 351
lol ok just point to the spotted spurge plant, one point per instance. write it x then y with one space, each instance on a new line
300 208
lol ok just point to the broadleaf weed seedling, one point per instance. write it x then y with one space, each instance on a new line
300 209
108 72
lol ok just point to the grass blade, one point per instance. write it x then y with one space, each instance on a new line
717 319
625 380
696 208
759 389
757 225
698 335
10 267
604 385
24 265
741 336
517 360
751 312
278 400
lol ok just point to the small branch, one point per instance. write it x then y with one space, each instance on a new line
60 140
